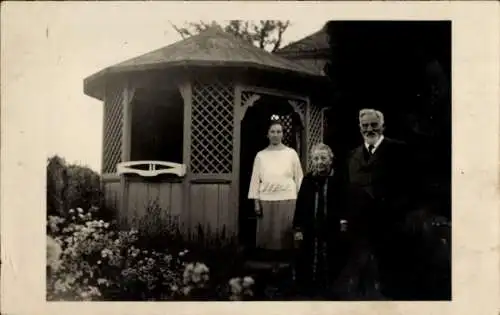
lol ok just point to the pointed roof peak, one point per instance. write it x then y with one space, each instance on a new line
213 45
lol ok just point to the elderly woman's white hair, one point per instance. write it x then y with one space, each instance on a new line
322 147
366 111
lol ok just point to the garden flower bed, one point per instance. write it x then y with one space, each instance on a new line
91 260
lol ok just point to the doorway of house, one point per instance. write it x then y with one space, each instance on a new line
254 127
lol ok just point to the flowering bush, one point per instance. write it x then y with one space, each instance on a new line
241 288
88 259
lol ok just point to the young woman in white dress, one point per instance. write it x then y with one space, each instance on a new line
275 182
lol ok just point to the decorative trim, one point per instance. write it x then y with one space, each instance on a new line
262 92
251 100
128 168
295 107
248 103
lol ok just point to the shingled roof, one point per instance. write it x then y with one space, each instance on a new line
316 42
213 47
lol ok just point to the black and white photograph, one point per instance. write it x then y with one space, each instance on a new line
237 166
247 160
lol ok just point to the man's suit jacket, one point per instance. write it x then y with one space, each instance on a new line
381 186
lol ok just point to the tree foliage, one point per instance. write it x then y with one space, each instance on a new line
265 34
71 186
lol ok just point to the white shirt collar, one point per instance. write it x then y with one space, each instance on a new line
376 145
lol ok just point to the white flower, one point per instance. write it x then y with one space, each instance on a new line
188 273
186 290
235 282
94 291
80 210
196 278
189 268
201 268
54 252
248 281
236 289
102 281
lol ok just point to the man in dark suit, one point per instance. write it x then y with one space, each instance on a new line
381 185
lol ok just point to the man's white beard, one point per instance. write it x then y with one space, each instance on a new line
372 139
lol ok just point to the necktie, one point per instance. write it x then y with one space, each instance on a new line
371 147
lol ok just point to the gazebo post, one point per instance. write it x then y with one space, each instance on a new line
126 144
186 93
307 134
235 183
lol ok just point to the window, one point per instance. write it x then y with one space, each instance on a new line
157 125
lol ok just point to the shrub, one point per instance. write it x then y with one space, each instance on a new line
97 262
70 186
88 259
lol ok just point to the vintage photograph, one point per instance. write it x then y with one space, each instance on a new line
256 160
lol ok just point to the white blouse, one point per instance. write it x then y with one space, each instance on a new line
276 175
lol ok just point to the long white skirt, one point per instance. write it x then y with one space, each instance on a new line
274 228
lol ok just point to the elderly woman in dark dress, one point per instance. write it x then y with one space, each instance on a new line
319 226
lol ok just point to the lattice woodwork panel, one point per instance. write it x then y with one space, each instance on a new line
288 134
300 107
315 128
212 128
112 137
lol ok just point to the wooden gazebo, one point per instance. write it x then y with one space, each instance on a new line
182 125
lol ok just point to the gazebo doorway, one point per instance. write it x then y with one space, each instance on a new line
254 127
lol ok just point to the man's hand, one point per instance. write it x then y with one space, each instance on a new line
343 225
298 236
257 208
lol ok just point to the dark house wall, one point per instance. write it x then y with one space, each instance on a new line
404 70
